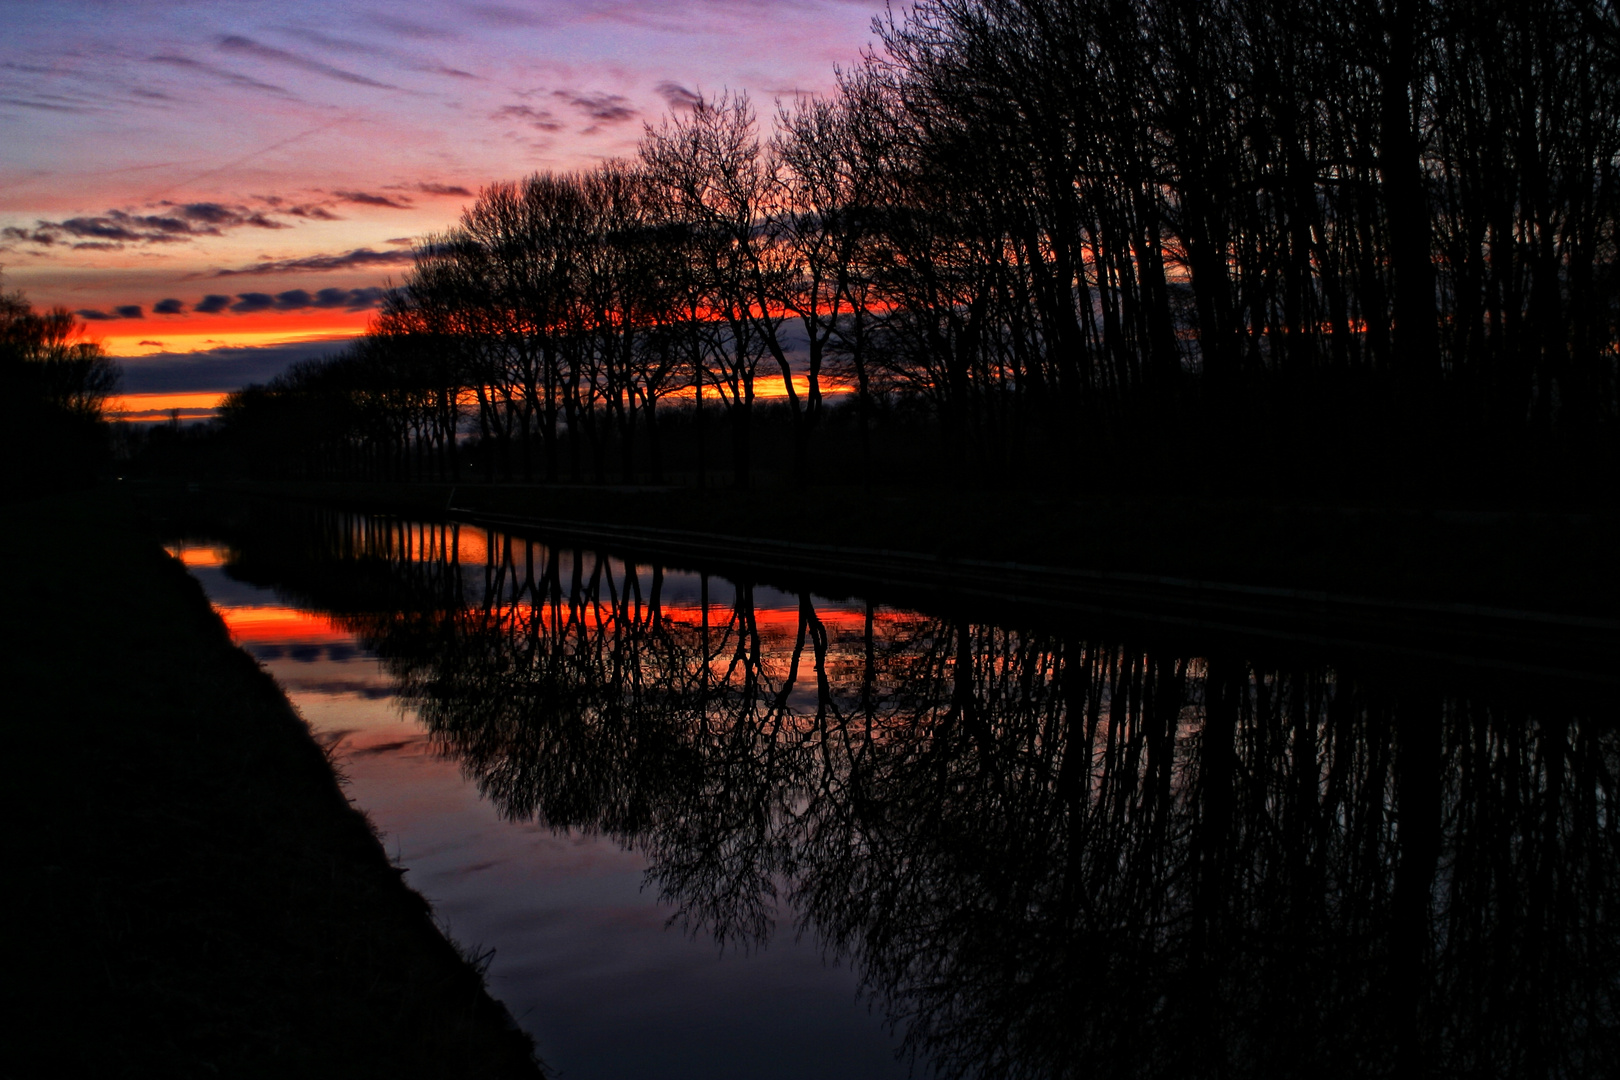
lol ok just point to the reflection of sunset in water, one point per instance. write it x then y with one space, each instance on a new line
280 624
584 950
199 556
999 827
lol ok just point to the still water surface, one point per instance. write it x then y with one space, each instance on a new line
715 829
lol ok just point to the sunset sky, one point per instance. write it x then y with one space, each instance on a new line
218 188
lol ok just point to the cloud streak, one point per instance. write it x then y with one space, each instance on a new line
186 63
348 260
235 43
366 198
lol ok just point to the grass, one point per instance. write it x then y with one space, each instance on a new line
191 892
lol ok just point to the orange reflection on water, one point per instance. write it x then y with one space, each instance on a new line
281 624
199 556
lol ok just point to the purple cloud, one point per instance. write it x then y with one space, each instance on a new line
601 108
249 302
541 119
677 96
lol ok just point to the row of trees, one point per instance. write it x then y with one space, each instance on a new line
1063 228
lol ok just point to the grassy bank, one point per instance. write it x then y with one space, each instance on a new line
192 893
1527 559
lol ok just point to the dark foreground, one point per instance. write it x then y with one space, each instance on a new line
191 893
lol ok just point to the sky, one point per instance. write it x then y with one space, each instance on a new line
219 188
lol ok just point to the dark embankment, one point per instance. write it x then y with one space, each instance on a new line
192 894
1530 559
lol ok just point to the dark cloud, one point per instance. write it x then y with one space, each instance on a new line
120 227
220 216
235 43
366 198
678 96
312 211
249 302
401 241
298 299
542 119
601 108
154 344
349 260
454 73
177 223
185 63
352 299
443 189
219 370
212 213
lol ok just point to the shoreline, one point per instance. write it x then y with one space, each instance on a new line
1527 561
195 887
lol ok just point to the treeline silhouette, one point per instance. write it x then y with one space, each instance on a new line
1048 853
1249 242
55 385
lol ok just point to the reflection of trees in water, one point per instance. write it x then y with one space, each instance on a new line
1050 855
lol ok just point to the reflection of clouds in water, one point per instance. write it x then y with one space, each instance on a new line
376 749
370 691
302 651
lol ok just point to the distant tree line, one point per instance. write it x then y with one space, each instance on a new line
55 385
1121 239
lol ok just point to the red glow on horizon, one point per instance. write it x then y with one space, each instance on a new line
200 333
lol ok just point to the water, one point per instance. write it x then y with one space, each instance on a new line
716 829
